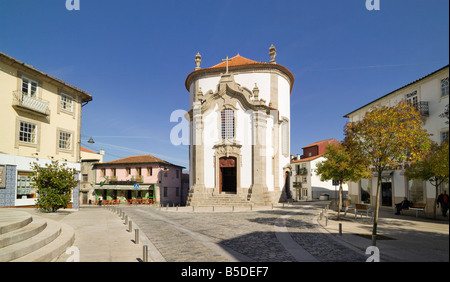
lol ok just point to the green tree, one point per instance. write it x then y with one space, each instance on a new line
388 137
343 165
54 184
434 168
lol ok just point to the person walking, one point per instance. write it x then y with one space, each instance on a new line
443 201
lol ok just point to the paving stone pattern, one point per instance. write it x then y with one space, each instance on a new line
189 237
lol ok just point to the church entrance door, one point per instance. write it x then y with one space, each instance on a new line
227 175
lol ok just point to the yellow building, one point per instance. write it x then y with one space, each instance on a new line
40 121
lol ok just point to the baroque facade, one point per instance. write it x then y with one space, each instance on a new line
239 131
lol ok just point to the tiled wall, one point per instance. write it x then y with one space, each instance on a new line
8 194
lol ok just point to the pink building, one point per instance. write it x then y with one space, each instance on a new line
139 177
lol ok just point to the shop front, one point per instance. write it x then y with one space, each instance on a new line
125 194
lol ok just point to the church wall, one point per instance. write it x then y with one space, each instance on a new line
210 138
208 83
269 154
248 80
284 103
244 137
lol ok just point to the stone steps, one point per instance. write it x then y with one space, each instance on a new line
27 238
222 200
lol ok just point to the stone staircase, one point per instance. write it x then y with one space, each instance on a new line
221 200
27 238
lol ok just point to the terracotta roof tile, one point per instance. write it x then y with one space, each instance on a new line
141 159
87 150
237 60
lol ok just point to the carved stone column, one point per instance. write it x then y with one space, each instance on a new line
259 186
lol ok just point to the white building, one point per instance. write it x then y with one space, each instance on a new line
239 131
430 95
306 185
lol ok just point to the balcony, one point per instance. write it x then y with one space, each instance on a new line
138 178
302 171
35 105
422 107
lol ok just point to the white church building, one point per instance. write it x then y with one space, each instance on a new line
239 121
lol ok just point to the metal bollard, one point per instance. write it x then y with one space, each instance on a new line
136 236
130 225
213 208
126 219
232 209
145 254
193 209
326 220
340 229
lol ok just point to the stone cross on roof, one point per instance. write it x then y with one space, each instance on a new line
226 60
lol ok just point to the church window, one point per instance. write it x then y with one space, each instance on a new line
227 117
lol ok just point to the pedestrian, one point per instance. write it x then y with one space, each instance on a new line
403 205
443 201
100 200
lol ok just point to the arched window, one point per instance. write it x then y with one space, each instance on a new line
227 117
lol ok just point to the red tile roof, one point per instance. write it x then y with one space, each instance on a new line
141 159
237 60
87 150
237 63
307 159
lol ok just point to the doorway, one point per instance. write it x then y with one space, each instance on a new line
227 175
386 192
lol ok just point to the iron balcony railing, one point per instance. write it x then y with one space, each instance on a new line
23 100
422 107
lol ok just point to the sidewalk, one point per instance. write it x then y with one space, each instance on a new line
100 235
405 238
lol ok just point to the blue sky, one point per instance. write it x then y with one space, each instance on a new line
134 56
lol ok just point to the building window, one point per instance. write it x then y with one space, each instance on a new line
444 87
444 136
128 171
27 132
113 172
165 191
66 103
29 87
138 171
412 99
25 186
227 117
65 140
149 171
177 173
103 172
365 190
85 178
416 191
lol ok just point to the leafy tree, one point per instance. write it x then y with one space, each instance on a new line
434 168
342 165
388 137
54 184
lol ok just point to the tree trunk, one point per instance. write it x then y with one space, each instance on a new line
377 207
435 201
340 200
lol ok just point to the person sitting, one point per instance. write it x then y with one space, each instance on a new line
403 205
